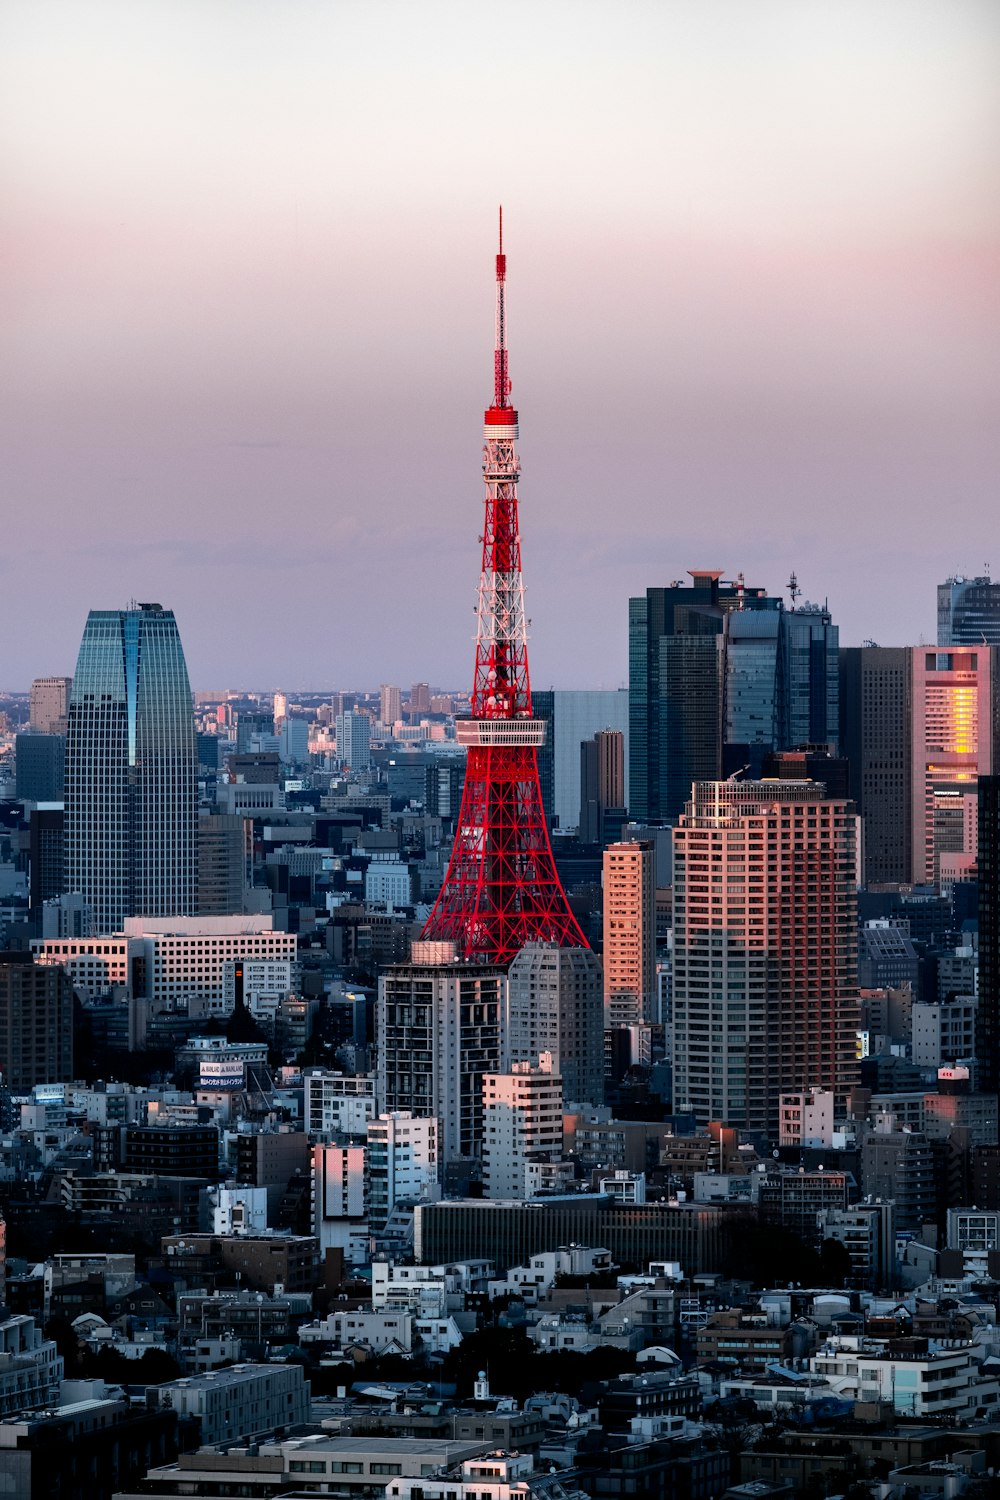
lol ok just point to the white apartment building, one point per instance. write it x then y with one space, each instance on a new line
388 884
235 1210
931 1384
973 1229
389 1331
95 965
402 1163
522 1118
167 959
428 1291
338 1103
31 1367
189 955
264 980
496 1476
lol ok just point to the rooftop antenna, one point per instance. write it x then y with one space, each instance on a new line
793 588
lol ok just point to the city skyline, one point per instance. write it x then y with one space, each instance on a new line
245 296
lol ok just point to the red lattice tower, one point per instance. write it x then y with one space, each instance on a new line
501 890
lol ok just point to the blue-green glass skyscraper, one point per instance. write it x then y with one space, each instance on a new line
132 769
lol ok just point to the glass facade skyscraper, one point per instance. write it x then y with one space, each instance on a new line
132 770
720 675
968 612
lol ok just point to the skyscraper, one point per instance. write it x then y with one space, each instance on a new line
49 704
571 716
602 784
630 988
968 611
988 1010
675 692
354 740
720 674
132 770
36 1023
440 1026
39 767
954 705
390 704
876 693
765 949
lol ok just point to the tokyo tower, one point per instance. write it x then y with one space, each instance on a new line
501 890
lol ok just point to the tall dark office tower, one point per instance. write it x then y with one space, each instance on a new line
39 762
602 784
719 676
968 611
675 692
36 1023
132 770
225 861
876 696
988 1010
47 854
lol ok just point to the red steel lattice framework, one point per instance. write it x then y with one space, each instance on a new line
501 890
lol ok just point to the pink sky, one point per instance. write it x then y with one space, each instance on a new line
245 268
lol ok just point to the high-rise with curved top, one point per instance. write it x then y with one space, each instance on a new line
132 769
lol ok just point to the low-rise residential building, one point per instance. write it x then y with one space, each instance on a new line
496 1476
242 1402
751 1340
806 1119
909 1375
338 1103
390 1331
30 1367
347 1468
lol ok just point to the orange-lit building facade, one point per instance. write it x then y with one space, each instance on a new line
953 696
630 991
765 995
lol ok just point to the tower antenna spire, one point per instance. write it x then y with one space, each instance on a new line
501 375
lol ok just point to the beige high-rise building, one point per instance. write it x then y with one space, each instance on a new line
630 990
49 704
390 704
765 997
